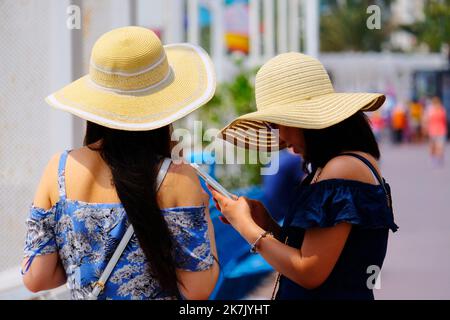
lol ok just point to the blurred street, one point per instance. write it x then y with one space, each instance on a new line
417 264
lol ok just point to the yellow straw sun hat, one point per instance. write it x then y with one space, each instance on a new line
135 83
293 89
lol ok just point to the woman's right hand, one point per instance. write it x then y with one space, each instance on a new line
259 213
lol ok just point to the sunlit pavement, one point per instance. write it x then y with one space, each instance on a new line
417 264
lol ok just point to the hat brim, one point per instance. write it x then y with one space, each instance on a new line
251 130
192 84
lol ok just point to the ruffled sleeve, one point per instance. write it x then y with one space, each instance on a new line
189 229
40 237
329 202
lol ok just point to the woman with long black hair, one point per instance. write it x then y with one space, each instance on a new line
334 238
116 219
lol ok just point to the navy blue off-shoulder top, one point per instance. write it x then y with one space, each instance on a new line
325 204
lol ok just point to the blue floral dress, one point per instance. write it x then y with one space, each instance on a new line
85 235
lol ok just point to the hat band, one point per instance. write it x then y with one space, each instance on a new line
142 80
155 86
111 71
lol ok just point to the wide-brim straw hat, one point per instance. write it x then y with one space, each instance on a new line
135 83
293 89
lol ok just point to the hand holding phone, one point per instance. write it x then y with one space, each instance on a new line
211 181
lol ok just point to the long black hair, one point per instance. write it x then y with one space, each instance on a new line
134 158
352 134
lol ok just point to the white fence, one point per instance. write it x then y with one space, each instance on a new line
31 66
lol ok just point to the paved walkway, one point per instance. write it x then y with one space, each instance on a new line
417 264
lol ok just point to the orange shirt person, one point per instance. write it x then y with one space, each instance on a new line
398 123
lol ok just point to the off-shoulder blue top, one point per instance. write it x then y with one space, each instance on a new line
327 203
85 236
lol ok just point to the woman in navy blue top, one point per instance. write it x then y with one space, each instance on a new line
334 236
327 203
340 217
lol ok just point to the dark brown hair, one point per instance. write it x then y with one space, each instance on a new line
134 158
352 134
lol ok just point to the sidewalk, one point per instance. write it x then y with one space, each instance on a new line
417 264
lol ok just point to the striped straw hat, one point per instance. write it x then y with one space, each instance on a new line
135 83
293 89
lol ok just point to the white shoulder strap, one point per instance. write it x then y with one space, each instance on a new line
162 172
100 284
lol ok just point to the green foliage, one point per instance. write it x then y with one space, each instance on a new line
239 175
343 26
233 99
434 30
242 94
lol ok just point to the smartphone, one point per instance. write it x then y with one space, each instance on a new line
211 181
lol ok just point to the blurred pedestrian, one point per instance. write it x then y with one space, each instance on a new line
398 123
436 127
377 124
416 115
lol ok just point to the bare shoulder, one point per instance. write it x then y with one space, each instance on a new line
53 163
83 154
184 185
182 170
47 191
51 170
184 176
87 163
349 168
78 158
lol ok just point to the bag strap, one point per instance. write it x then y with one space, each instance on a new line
375 173
367 163
100 284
